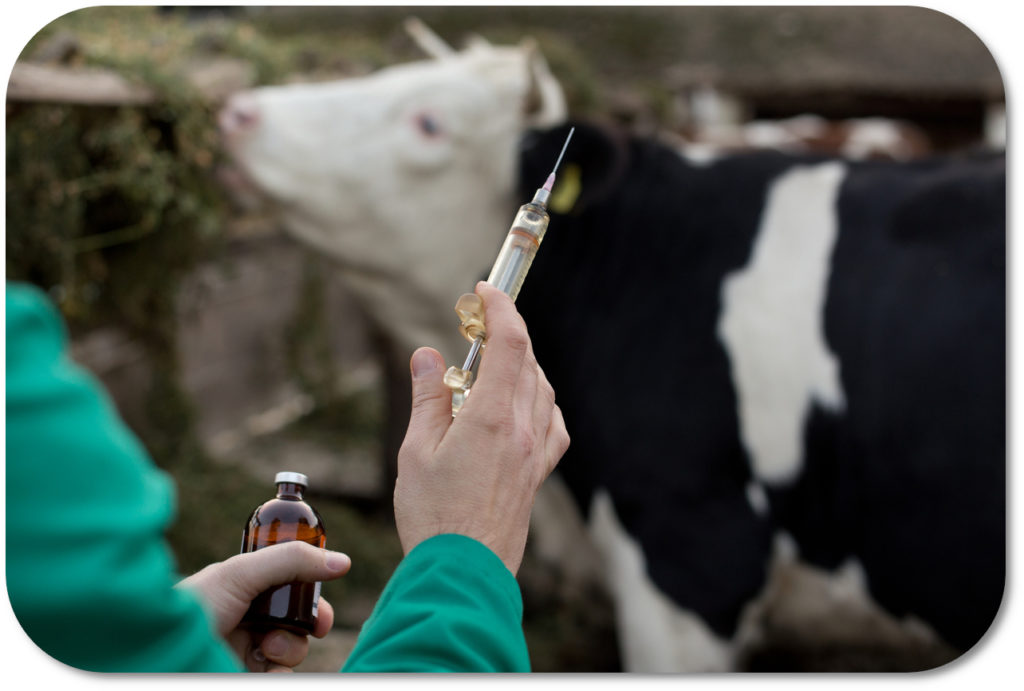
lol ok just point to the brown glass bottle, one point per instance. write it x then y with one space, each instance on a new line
286 517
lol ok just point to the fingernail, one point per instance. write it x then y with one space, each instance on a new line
423 362
273 646
337 561
259 656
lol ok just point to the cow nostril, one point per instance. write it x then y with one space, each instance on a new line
242 118
241 113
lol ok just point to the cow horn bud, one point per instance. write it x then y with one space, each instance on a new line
428 41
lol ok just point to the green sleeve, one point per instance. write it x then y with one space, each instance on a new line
451 606
89 574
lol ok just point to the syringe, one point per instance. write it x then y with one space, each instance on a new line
507 274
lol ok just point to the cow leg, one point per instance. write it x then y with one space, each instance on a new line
559 537
655 635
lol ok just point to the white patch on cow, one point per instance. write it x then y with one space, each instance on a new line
700 155
772 320
995 126
771 135
655 635
697 154
757 498
807 126
870 136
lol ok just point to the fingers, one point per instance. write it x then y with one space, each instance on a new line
278 650
248 575
543 403
282 648
510 362
507 343
556 442
247 646
324 619
431 401
528 396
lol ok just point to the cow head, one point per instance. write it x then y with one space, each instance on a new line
405 176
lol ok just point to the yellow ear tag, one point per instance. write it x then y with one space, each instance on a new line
567 190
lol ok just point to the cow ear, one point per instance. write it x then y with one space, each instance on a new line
544 101
592 169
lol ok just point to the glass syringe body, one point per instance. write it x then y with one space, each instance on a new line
519 249
507 275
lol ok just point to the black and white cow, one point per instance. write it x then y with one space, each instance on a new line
761 345
743 348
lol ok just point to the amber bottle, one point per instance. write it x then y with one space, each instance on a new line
286 517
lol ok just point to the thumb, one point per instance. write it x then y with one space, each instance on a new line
229 586
254 572
431 400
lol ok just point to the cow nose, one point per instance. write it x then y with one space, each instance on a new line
239 115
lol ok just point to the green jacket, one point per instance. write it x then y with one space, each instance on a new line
90 576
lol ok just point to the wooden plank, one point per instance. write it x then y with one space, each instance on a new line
45 83
215 79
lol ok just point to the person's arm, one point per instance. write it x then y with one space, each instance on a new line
462 506
451 606
89 575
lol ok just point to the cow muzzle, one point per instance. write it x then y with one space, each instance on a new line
241 114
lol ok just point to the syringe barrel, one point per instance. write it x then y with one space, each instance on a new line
519 249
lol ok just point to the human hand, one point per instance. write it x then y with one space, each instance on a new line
228 587
478 475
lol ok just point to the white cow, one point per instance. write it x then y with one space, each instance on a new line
405 177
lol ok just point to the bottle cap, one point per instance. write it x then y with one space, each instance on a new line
297 478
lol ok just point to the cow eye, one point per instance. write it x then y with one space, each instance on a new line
428 125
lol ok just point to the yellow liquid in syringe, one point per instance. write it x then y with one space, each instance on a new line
519 249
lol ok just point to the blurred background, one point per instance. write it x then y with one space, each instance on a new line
235 352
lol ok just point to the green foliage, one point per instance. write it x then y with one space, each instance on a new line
98 198
107 209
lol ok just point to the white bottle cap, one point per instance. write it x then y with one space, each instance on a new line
297 478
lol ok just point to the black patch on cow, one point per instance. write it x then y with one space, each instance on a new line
817 508
622 304
910 478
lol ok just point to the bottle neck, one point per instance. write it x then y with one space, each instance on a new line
289 490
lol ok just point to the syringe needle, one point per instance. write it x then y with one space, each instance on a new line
564 147
550 182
